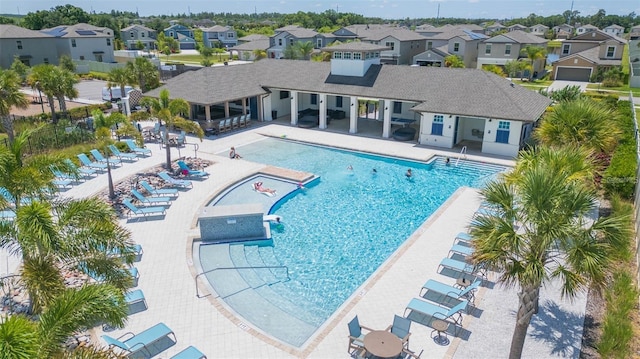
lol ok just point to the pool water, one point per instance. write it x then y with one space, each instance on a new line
340 229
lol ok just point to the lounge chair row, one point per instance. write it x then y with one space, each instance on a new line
232 123
157 196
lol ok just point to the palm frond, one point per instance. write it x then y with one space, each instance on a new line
18 338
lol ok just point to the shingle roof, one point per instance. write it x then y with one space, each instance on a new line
462 33
520 37
217 28
252 45
139 27
80 30
467 92
355 46
588 26
17 32
592 55
254 37
302 33
614 26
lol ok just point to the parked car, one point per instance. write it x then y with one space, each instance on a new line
114 93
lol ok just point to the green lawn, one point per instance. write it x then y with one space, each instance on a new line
534 83
622 90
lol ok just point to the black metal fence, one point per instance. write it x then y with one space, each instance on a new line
52 137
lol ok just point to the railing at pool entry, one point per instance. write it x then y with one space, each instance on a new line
229 268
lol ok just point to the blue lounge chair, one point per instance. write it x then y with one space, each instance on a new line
90 164
134 297
101 159
189 172
122 155
137 251
176 182
189 352
84 172
133 343
150 200
137 150
356 336
144 211
453 315
462 267
463 237
7 215
462 250
62 183
400 328
159 191
467 293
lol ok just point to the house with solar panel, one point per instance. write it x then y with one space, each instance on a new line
29 46
83 42
356 94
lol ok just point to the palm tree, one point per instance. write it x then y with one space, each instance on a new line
581 122
304 49
290 52
54 82
533 53
514 67
259 54
10 96
171 112
453 61
540 233
71 311
120 77
143 73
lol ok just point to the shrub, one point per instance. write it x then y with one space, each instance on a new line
620 176
99 75
617 330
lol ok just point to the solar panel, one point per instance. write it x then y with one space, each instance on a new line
85 32
474 35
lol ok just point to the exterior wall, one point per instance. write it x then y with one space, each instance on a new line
577 47
148 38
406 112
351 67
283 106
470 129
489 144
227 38
435 43
428 56
426 138
618 53
403 51
85 48
38 48
234 222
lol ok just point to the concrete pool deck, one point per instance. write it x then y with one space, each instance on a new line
167 280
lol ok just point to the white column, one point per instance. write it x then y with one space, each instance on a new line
323 110
353 115
294 107
126 107
207 112
266 107
226 109
386 124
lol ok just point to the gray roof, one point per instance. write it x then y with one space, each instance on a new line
379 32
139 27
467 92
17 32
464 34
355 46
80 30
520 37
254 37
614 26
587 26
592 55
252 45
216 28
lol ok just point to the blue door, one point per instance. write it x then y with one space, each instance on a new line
253 107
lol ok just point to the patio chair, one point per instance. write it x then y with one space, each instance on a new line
453 315
83 171
221 127
243 121
189 352
189 172
400 328
133 343
181 139
462 267
144 211
235 123
150 200
86 162
446 290
159 192
175 182
463 237
408 354
122 155
356 336
227 124
135 297
461 250
137 150
100 158
62 183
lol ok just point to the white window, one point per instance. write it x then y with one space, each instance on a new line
357 56
507 49
611 51
230 35
346 56
131 34
337 55
279 42
566 49
456 46
487 49
391 45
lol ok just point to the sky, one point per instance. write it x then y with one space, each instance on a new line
388 9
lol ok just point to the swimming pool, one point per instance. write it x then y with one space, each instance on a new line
338 231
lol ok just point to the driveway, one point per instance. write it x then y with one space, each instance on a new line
559 85
90 90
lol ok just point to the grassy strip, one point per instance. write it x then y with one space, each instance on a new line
620 177
539 83
621 90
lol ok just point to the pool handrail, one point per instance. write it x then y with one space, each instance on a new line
227 268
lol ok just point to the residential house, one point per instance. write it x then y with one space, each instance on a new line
634 33
517 27
324 39
83 42
585 28
539 30
252 37
402 44
435 106
463 43
495 27
428 30
29 46
583 55
288 36
246 50
226 36
508 47
182 34
132 34
564 27
614 29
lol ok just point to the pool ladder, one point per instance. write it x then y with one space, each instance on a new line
463 152
228 268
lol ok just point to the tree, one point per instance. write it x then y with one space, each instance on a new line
494 69
171 112
59 15
10 96
206 53
143 73
120 76
71 311
54 82
259 54
139 45
513 67
19 68
533 53
453 61
67 64
540 233
582 122
304 49
566 94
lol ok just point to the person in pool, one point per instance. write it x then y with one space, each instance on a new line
233 154
447 161
409 174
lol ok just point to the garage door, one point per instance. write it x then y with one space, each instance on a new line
573 74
